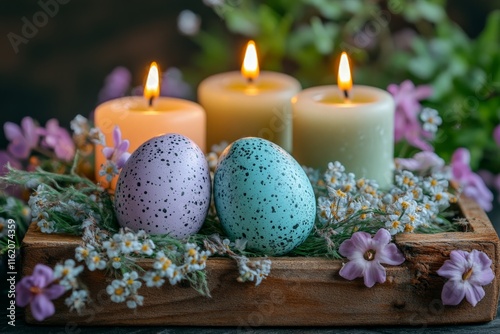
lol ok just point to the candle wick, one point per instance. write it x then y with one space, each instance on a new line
346 94
150 103
250 80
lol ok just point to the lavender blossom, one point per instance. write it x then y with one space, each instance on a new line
118 153
472 184
58 139
22 138
366 255
116 84
496 135
38 290
421 162
6 158
467 273
407 124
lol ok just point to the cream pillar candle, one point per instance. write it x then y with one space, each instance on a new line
248 104
358 131
142 118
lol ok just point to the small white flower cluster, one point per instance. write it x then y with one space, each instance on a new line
84 136
45 199
413 201
118 252
253 271
249 270
38 204
125 289
164 267
66 275
102 251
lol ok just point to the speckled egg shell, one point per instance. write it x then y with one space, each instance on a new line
164 188
262 194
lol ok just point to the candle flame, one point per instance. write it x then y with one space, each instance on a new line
152 87
344 79
250 66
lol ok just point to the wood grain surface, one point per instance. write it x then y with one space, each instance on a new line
300 291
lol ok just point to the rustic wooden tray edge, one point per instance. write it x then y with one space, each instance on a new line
299 291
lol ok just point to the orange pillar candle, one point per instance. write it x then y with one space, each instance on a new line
142 118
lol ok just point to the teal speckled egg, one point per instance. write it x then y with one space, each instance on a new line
263 195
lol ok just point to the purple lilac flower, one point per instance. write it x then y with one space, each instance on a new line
496 135
467 273
118 153
38 290
22 138
472 184
366 255
490 180
407 125
421 162
58 139
116 84
173 84
6 158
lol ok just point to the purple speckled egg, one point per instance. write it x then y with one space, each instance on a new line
164 188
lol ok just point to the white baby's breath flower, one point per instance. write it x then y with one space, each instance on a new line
153 278
134 301
131 281
109 170
431 119
77 300
79 125
113 246
81 253
95 261
129 243
66 273
164 265
177 276
116 262
118 291
97 137
147 247
46 226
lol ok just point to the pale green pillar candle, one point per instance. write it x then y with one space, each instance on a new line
359 133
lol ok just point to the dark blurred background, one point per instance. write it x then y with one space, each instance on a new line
59 70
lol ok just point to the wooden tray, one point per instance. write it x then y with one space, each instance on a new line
298 292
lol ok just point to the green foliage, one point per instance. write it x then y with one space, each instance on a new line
389 41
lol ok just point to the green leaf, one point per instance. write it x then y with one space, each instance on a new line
328 9
490 36
242 22
430 11
324 35
422 67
